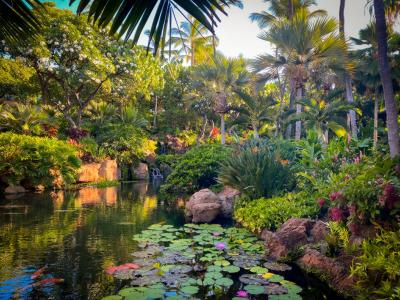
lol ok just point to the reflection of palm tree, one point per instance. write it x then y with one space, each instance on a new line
303 43
193 41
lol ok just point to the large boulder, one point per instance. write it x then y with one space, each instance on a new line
14 189
141 172
109 170
292 234
203 207
227 199
89 173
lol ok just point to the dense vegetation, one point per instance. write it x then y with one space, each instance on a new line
310 130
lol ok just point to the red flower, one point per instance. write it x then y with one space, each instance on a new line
336 214
336 196
321 202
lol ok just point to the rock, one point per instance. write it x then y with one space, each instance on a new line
319 231
40 188
109 170
14 189
203 206
141 172
89 173
331 269
227 199
58 181
293 234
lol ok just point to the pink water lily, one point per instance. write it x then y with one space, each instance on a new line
220 246
216 233
242 294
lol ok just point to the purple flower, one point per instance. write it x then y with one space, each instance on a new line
242 294
220 246
336 214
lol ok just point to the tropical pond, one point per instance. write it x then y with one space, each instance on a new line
126 243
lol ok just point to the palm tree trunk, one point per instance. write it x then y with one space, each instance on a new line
203 129
376 111
291 106
155 112
386 78
222 129
299 96
347 78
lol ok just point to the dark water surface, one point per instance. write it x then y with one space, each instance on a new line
75 236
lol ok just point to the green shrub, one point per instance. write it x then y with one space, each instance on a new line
272 212
257 171
196 169
35 159
377 269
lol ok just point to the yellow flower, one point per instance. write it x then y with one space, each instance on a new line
267 275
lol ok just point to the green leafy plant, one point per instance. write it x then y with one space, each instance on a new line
196 169
377 269
256 171
270 213
338 238
37 160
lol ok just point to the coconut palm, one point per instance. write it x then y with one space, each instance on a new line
193 41
386 78
256 107
219 79
324 115
304 43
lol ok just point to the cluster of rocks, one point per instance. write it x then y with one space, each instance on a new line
205 206
304 241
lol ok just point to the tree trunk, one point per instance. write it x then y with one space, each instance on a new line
155 112
203 129
222 129
376 111
291 106
386 78
347 78
299 96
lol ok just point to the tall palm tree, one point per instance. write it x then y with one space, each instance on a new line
325 114
220 78
386 78
256 107
347 78
304 43
192 40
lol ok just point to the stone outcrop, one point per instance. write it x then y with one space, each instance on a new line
292 234
227 199
203 207
95 172
141 172
14 189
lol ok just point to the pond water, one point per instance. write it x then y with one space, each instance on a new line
58 245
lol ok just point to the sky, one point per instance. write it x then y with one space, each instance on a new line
238 35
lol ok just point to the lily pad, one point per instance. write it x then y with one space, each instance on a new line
231 269
254 289
258 270
225 282
278 267
190 290
253 279
112 297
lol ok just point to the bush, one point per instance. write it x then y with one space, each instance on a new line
377 269
272 212
196 169
36 159
257 171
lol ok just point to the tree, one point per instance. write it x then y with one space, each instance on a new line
74 64
256 107
193 41
219 79
386 78
303 44
347 78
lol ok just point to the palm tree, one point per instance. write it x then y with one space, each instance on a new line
304 43
347 78
220 79
192 40
325 114
386 78
255 109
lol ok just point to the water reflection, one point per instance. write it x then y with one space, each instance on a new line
77 235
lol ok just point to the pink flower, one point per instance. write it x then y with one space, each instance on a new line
321 202
216 233
220 246
336 214
242 294
336 196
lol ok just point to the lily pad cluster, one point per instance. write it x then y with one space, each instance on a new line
201 262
